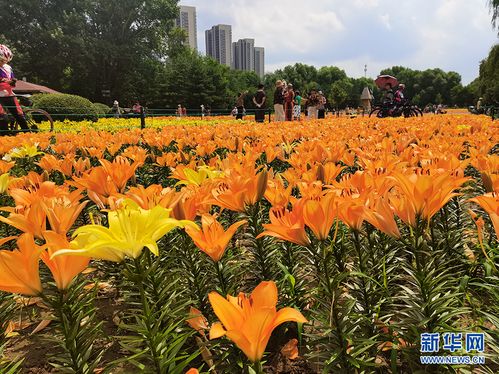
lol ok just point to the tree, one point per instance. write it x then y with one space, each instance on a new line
427 86
494 8
340 93
191 80
489 77
87 46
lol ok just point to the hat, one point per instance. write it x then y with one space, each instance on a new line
320 93
278 83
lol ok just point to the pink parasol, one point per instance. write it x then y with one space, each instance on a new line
383 80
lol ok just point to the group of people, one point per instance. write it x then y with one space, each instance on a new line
393 100
181 111
436 109
117 111
288 103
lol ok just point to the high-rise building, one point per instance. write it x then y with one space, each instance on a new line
247 57
187 21
219 44
243 55
260 61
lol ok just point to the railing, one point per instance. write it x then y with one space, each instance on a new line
73 114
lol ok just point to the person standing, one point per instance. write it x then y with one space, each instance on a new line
116 109
321 107
479 105
387 100
289 99
312 103
137 109
279 102
7 82
297 107
259 101
240 105
399 97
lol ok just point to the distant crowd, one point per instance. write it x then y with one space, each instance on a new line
288 103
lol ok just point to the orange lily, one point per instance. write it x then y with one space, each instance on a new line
80 166
32 220
255 187
490 203
230 194
120 171
329 172
98 184
424 193
319 215
249 321
286 225
62 213
352 212
66 267
239 189
192 202
276 194
197 321
49 163
19 271
380 215
6 166
153 195
212 239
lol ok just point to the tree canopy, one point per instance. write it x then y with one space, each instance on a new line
87 46
494 8
423 87
488 81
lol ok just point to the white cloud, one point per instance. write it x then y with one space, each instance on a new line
451 34
385 20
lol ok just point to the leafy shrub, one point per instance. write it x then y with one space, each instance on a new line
63 106
101 109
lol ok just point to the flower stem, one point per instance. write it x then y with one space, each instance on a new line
258 367
148 314
221 278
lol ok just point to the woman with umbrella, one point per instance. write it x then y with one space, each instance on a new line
386 83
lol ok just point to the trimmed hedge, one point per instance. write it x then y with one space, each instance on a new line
102 109
63 106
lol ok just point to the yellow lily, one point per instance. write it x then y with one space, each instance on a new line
189 176
249 321
4 182
131 228
24 151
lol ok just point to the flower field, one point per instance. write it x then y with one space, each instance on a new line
225 247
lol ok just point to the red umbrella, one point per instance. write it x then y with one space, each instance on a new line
383 80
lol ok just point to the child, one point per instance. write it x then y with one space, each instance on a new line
8 99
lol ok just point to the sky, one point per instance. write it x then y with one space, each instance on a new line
454 35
